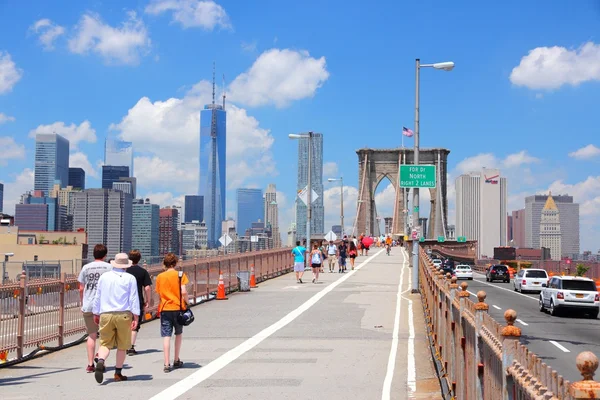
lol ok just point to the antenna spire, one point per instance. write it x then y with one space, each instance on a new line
224 95
213 94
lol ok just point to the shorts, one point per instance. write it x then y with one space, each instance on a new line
299 267
115 330
316 265
343 261
90 326
168 321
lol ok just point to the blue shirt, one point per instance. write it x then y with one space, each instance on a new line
117 291
298 253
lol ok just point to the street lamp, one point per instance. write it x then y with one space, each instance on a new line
341 179
308 136
4 274
444 66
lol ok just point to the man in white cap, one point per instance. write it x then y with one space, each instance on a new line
116 310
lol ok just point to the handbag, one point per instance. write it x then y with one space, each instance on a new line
184 317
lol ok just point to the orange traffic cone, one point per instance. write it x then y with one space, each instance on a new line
252 278
221 289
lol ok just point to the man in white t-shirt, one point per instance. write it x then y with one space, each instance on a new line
331 254
88 285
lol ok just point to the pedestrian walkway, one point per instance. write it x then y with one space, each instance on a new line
358 335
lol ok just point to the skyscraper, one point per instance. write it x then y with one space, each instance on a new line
1 197
118 153
112 174
272 214
31 217
145 224
550 236
106 216
518 228
481 209
317 209
250 208
77 178
168 236
194 208
51 161
213 140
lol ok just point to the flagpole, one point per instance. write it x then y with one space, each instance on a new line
402 139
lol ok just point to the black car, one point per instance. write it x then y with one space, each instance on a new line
448 270
497 273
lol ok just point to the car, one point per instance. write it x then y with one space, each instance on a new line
530 280
463 271
437 262
447 270
570 293
498 272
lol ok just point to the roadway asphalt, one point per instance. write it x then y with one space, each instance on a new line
557 340
359 335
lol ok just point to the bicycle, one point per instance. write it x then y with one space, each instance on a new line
387 249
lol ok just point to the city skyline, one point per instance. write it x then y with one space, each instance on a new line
299 83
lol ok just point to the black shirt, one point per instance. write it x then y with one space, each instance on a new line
143 279
342 249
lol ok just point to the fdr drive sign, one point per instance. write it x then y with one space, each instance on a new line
417 176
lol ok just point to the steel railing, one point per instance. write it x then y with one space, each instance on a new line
478 358
42 313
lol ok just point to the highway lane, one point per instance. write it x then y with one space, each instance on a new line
557 340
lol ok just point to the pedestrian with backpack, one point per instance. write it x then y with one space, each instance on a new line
316 260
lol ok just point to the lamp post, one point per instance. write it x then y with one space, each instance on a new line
444 66
308 136
341 179
6 256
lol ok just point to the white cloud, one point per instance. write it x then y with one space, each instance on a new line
74 133
518 159
331 204
582 192
116 45
48 32
489 160
10 74
6 118
192 13
279 77
164 199
10 150
553 67
80 160
584 153
330 170
155 172
13 190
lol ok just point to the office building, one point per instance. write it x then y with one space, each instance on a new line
337 229
569 220
56 215
213 161
272 214
481 199
112 174
451 232
194 208
124 187
132 184
423 225
145 228
250 208
77 178
228 227
387 222
106 216
291 235
550 236
1 197
168 238
118 153
31 217
317 210
64 197
51 162
518 228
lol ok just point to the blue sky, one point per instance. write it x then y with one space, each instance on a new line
521 96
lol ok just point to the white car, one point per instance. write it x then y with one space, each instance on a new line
569 292
463 271
437 262
530 280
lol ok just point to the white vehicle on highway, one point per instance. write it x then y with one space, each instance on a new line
569 292
530 280
437 262
463 271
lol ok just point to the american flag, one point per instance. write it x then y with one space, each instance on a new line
407 132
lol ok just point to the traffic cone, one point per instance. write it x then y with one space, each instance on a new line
221 289
252 278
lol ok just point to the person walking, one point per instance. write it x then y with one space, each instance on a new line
170 286
88 284
316 261
360 243
343 253
332 253
352 253
116 310
144 284
299 252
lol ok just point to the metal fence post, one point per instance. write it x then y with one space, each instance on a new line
22 311
455 373
509 334
587 364
480 308
195 288
61 309
467 376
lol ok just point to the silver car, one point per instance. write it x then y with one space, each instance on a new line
572 293
530 280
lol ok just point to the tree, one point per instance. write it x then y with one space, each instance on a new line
581 270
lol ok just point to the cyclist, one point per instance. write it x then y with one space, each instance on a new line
388 244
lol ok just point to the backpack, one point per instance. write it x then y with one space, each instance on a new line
316 258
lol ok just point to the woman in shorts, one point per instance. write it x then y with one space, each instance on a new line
352 253
316 261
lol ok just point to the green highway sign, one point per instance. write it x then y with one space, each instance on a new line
441 239
417 176
461 239
421 239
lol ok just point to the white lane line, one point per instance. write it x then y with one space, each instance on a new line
560 346
389 375
496 307
411 375
508 290
522 323
194 379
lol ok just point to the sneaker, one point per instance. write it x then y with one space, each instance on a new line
120 377
314 280
131 351
89 369
300 280
177 364
99 371
167 369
